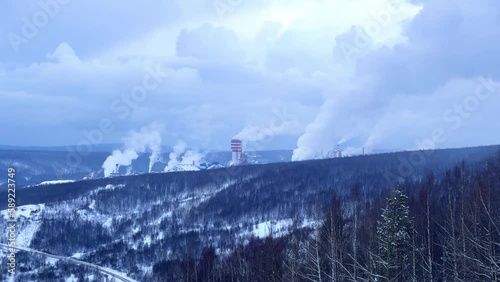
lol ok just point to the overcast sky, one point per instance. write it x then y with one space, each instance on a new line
296 74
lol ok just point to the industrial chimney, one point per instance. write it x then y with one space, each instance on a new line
236 149
338 152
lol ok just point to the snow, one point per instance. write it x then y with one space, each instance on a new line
91 214
310 223
117 273
28 222
162 217
92 205
146 269
107 223
184 167
26 234
147 240
55 182
215 166
72 278
27 211
51 261
274 228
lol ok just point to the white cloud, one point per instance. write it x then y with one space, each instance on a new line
230 72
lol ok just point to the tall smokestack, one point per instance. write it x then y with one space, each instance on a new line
236 149
338 152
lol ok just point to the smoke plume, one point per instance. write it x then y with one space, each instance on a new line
175 155
148 138
180 155
120 158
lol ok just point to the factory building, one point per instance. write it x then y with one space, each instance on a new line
116 171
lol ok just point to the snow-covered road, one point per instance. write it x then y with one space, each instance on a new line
104 270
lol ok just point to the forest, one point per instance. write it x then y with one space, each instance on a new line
444 228
362 218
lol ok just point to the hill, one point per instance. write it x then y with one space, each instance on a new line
131 223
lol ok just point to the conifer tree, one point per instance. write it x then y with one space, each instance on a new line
394 237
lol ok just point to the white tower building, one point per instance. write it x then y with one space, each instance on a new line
236 149
338 152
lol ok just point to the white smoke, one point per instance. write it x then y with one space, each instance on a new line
348 112
352 151
180 155
280 123
318 139
333 126
349 105
129 171
343 140
175 155
191 157
251 133
117 159
148 138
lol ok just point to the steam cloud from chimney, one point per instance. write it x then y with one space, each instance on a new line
148 138
180 155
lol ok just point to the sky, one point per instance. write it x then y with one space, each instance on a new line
280 74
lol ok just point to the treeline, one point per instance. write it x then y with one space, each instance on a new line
444 228
371 167
69 236
36 267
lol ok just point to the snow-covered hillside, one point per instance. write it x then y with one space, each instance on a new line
132 222
36 167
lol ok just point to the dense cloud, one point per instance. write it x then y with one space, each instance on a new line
376 74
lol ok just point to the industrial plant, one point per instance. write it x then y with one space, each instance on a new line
237 155
185 162
237 158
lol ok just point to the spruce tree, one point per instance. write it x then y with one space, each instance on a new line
394 238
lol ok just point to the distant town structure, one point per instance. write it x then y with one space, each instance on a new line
195 167
116 172
237 158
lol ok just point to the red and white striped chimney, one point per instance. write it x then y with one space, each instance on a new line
236 149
